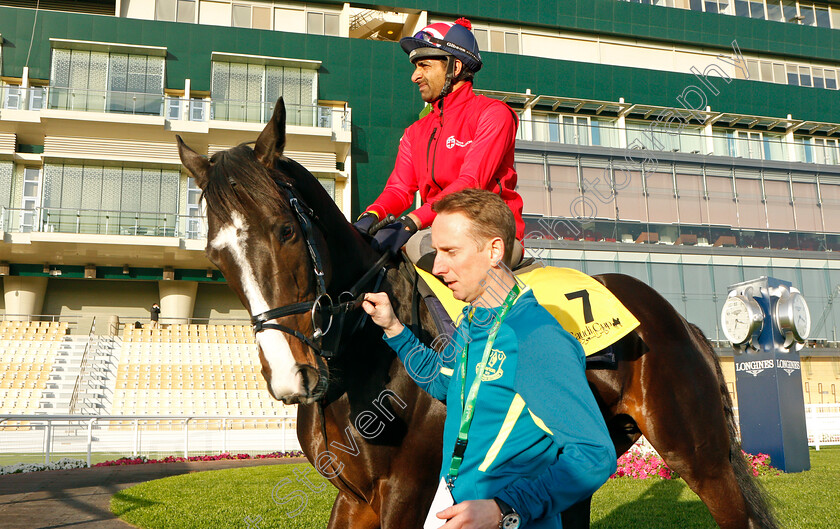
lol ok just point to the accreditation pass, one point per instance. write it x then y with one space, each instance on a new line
443 500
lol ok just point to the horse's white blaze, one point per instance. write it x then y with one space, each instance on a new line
285 379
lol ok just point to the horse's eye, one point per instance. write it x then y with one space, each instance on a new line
285 232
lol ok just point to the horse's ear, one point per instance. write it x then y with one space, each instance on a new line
194 162
272 139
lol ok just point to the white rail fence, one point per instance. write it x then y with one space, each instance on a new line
56 436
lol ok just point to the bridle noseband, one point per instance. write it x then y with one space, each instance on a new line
323 304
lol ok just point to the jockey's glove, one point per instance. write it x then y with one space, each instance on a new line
393 237
365 221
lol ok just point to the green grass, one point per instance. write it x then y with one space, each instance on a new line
273 496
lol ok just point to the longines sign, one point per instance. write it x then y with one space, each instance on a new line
755 367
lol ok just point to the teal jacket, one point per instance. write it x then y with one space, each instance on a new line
537 440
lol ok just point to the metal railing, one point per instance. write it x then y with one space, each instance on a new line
553 129
109 101
17 98
261 111
173 108
134 435
74 397
102 222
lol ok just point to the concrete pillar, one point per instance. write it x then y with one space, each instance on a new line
621 125
24 296
789 142
344 21
185 110
177 300
526 123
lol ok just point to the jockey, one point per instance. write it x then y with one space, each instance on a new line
466 141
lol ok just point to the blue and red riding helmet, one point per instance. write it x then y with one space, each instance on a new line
445 38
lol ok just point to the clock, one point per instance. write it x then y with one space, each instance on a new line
741 318
792 315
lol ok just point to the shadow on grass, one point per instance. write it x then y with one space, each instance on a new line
123 503
659 506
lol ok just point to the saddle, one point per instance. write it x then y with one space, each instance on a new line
583 307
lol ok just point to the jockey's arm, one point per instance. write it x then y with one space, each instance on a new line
399 191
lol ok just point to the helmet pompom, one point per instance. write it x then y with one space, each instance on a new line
464 22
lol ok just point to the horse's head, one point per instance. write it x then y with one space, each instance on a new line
258 242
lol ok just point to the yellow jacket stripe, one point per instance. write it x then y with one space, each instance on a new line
512 416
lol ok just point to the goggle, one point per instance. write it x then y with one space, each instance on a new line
428 37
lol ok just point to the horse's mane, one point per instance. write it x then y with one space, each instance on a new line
233 176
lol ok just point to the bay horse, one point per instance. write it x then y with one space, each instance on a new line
290 255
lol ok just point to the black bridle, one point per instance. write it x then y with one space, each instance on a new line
325 342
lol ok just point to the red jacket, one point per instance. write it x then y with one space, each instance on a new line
468 144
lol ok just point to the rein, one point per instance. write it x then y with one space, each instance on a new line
322 306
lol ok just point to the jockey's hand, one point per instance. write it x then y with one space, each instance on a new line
378 306
393 237
473 514
365 222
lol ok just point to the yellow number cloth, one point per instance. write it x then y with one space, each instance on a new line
582 305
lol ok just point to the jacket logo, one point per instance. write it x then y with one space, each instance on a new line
493 369
452 142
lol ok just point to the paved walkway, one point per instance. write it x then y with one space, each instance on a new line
81 498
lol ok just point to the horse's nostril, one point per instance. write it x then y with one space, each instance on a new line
309 376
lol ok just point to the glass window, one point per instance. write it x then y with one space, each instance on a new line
823 19
818 77
773 146
497 41
805 149
757 9
805 76
789 8
511 42
752 67
247 92
148 206
696 5
331 28
830 79
766 71
724 143
186 11
779 73
241 16
165 10
742 8
808 16
481 38
315 23
774 10
792 75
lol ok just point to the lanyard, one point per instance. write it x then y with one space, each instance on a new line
469 406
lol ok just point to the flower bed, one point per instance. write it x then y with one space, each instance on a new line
142 460
641 464
61 464
67 463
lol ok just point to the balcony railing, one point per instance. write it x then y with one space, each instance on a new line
723 142
105 101
17 98
102 222
261 112
173 108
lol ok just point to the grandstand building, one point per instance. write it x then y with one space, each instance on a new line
690 144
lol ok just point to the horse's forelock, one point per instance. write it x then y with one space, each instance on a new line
235 174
